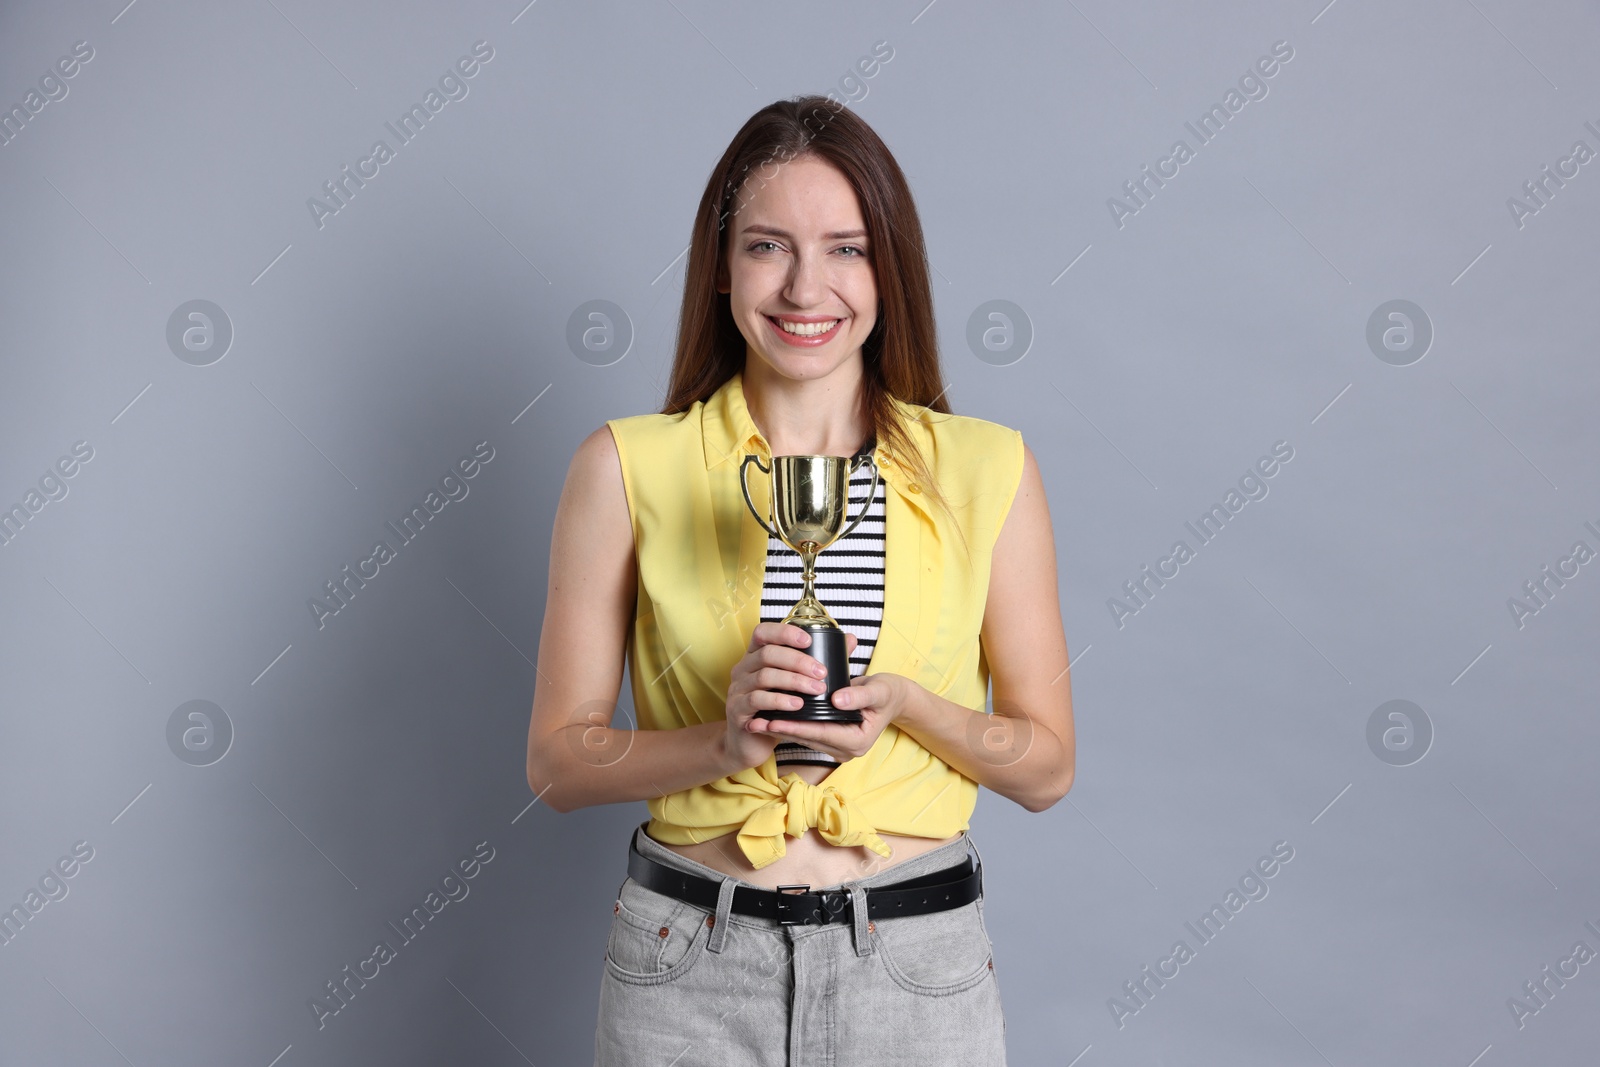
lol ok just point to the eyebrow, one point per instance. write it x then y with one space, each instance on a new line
773 231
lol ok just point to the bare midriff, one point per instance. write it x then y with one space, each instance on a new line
808 859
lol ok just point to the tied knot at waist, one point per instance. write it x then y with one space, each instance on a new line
801 806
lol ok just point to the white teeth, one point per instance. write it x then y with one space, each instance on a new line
806 329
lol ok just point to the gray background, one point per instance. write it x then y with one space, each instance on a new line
432 312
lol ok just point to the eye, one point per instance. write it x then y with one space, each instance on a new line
757 246
855 248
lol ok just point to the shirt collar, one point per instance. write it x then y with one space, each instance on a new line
729 434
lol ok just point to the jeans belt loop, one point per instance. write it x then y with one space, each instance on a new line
719 924
858 904
973 847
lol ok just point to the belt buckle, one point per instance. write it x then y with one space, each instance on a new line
832 902
785 914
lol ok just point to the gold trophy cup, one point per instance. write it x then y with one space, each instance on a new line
810 503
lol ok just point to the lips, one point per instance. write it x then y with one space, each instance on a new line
804 340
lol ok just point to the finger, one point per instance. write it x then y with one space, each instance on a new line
850 642
795 635
860 693
796 660
776 698
813 734
778 633
805 682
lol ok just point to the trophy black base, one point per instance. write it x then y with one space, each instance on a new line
828 648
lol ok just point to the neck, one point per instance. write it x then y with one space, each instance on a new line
816 417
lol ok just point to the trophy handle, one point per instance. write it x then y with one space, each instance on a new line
744 484
871 493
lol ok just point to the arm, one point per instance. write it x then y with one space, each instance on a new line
1027 751
576 759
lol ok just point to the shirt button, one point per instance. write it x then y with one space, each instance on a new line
914 487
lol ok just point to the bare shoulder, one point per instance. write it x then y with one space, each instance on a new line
1027 518
597 463
596 455
594 502
1031 476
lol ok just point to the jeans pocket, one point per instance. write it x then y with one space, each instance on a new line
936 954
654 938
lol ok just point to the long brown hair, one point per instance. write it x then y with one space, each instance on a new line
900 357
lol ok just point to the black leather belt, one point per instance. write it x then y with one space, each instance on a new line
935 891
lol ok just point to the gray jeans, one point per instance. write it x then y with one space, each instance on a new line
686 986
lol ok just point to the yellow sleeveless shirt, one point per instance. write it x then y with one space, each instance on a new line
701 566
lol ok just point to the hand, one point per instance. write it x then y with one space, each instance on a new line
880 698
774 661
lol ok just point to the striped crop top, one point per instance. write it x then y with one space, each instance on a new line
849 583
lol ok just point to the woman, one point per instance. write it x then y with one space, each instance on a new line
807 328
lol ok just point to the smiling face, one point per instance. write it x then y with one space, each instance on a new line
799 274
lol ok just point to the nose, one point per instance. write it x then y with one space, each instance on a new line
808 281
